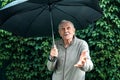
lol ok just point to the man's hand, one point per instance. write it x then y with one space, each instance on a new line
82 59
54 52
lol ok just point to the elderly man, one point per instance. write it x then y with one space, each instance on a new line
69 59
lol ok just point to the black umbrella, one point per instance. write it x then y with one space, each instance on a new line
30 18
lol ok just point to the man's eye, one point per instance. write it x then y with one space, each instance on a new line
68 28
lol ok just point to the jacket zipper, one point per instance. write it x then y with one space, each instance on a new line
64 64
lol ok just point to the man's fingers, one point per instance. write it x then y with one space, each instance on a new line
83 58
79 64
83 53
76 65
54 51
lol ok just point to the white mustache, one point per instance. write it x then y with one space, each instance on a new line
66 33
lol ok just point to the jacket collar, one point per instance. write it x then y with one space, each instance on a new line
72 43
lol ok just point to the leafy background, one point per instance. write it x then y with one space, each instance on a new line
25 58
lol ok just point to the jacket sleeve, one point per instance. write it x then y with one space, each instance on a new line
88 66
51 65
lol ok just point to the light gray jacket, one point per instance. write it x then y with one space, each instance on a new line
63 67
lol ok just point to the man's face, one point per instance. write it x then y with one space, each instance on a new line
66 31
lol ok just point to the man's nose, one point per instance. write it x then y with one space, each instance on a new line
66 30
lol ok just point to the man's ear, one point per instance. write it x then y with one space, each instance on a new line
74 30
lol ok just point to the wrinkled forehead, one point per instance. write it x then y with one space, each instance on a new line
66 24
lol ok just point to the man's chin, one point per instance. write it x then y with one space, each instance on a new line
67 37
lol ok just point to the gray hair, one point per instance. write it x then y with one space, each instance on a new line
65 21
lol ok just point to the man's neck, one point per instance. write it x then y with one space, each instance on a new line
67 42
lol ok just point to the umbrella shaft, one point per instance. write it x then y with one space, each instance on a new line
51 19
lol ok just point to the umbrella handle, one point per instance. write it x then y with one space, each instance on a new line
54 45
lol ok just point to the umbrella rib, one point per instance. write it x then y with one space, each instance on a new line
28 29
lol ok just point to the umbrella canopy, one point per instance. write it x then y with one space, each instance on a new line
32 18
